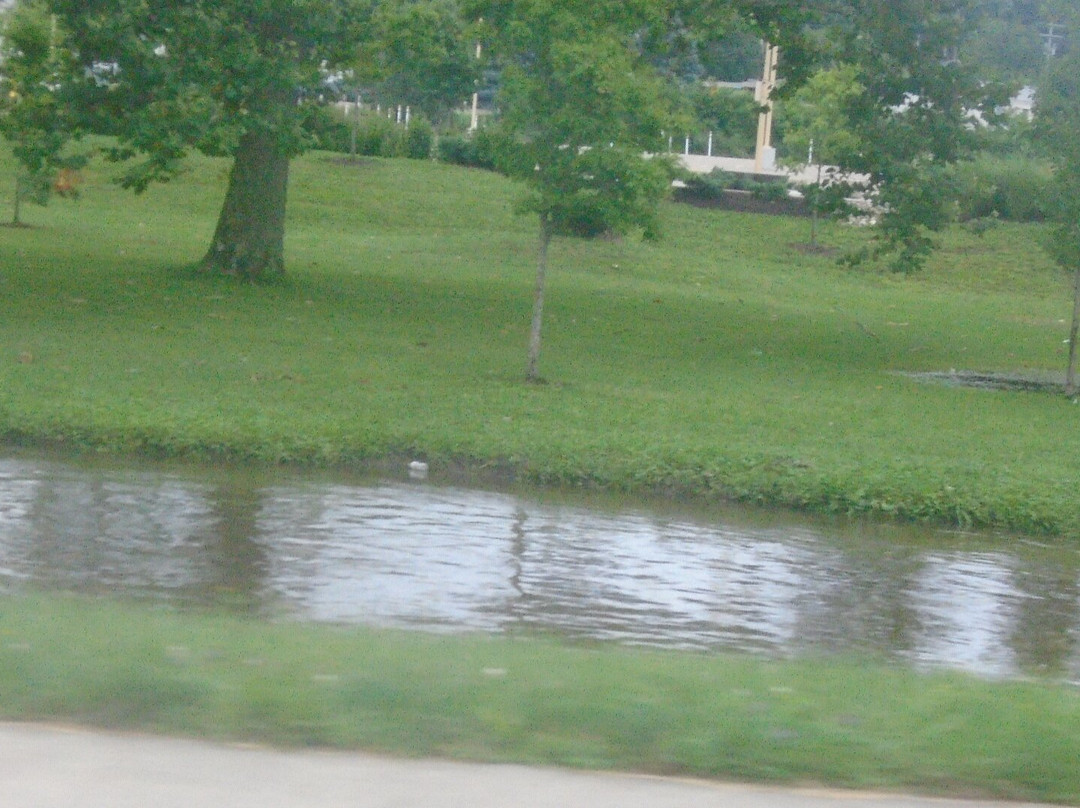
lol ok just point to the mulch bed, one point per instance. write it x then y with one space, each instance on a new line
744 202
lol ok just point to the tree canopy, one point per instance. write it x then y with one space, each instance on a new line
424 55
584 87
912 118
224 77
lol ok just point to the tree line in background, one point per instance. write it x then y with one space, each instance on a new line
885 89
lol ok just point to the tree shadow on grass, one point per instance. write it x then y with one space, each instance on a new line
1026 381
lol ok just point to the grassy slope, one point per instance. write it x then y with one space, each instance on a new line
720 361
717 361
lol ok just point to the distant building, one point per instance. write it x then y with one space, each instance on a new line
1023 103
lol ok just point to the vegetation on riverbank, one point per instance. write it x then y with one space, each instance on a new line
723 361
839 722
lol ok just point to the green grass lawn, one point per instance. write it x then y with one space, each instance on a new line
720 362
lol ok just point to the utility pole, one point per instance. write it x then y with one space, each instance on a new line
474 121
764 154
1053 39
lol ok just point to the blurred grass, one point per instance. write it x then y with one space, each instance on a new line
723 361
840 722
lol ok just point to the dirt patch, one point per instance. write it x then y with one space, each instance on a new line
813 249
350 162
1038 381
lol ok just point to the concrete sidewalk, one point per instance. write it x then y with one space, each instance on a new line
59 767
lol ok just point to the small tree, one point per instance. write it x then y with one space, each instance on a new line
911 119
33 117
1057 122
816 134
582 108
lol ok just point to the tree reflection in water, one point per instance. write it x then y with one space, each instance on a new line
450 559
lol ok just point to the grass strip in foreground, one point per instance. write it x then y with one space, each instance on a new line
836 722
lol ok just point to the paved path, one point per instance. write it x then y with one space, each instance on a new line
58 767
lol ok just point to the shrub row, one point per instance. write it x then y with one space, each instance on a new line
480 149
369 134
714 184
1015 189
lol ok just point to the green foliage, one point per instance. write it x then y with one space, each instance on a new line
376 135
714 184
369 133
417 139
1007 136
34 118
731 115
906 122
1057 122
1015 189
328 128
583 107
1004 50
815 118
169 78
489 147
424 54
462 150
1005 38
732 56
910 118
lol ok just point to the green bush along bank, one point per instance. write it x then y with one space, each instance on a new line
725 361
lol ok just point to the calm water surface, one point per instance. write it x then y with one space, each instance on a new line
450 559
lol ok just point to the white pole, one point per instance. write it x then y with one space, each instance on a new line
408 114
474 121
686 146
355 120
710 144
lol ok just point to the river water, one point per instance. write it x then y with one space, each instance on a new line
408 554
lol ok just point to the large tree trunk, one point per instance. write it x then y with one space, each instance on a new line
250 237
1074 331
532 371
